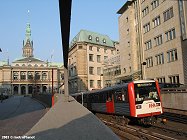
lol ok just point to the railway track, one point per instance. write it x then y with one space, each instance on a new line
174 131
130 132
175 117
156 132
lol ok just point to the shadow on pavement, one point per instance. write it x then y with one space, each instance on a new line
87 127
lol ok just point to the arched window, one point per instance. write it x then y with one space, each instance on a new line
44 76
23 75
37 76
15 75
30 75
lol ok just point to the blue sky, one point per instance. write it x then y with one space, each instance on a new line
94 15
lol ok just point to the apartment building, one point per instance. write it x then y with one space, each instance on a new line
153 39
87 52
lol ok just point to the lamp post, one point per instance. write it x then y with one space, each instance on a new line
100 80
142 68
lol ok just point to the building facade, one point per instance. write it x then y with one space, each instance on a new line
29 75
87 54
154 31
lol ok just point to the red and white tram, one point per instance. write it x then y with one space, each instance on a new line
137 100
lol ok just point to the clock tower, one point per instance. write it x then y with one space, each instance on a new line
27 43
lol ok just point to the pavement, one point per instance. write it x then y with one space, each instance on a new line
18 114
70 121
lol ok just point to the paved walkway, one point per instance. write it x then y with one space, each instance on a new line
18 115
70 121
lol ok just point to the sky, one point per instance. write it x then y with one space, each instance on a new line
93 15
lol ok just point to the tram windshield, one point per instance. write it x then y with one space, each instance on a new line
146 91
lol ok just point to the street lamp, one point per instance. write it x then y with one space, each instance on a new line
100 80
142 73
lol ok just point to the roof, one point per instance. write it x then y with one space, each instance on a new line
92 37
56 64
125 7
27 59
2 63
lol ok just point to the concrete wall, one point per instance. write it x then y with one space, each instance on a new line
175 100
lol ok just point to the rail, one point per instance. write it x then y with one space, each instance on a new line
174 90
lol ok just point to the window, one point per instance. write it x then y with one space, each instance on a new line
154 4
159 59
91 57
129 56
98 49
156 21
145 11
105 57
30 76
105 50
172 55
97 39
104 41
112 51
146 27
128 43
99 83
124 70
23 75
90 37
36 65
99 58
170 35
168 14
44 76
149 62
158 40
91 70
127 31
127 19
98 70
161 79
148 45
91 48
174 79
37 76
15 75
91 83
80 47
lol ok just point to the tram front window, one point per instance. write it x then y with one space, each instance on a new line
146 91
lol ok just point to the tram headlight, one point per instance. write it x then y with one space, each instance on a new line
157 104
138 107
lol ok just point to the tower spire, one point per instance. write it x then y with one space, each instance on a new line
28 44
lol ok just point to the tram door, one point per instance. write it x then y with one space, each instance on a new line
110 102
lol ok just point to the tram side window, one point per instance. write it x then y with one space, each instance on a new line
121 95
109 97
